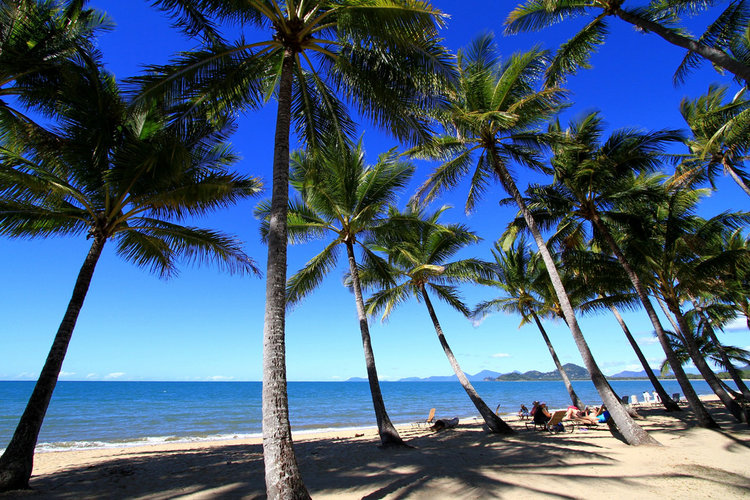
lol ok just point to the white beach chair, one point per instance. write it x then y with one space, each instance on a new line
633 399
646 398
657 398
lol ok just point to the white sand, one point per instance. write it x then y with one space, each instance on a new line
458 463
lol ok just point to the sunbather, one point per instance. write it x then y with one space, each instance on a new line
574 413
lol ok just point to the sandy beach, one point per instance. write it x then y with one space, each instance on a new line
457 463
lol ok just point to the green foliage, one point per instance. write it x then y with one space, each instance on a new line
116 171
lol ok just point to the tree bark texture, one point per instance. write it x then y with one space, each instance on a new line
17 461
631 432
666 400
388 434
568 385
283 479
493 421
704 418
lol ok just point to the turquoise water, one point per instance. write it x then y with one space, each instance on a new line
103 414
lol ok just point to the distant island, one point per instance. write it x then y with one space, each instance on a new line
574 372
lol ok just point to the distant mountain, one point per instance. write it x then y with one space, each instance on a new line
629 374
478 377
574 372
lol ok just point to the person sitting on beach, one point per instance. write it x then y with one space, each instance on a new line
604 416
523 413
541 415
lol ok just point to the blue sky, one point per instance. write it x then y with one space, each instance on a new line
205 325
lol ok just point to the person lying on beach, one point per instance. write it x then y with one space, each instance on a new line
604 416
574 413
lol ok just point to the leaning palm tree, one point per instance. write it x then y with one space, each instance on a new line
418 254
111 172
516 273
494 112
660 18
680 251
594 179
383 56
343 198
719 139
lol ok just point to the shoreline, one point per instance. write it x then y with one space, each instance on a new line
464 462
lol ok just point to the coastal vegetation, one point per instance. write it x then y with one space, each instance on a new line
615 215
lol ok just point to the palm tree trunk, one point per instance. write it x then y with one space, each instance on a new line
573 396
711 379
666 400
733 174
716 56
283 479
17 461
736 377
630 430
704 418
493 421
388 433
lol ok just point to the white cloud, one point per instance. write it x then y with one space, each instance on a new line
67 374
737 324
91 375
26 376
115 375
476 322
648 340
501 355
219 378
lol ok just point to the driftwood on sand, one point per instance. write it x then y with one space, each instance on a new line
445 423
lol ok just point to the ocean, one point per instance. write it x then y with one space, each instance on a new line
116 414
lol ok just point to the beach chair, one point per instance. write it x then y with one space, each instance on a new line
633 399
676 397
657 398
555 423
646 398
428 421
624 399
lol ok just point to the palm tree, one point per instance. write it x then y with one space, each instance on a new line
494 110
111 171
678 250
516 272
343 198
593 181
720 137
659 18
382 56
38 39
418 251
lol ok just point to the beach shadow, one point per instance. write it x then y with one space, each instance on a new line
460 463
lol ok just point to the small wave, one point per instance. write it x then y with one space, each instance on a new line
148 441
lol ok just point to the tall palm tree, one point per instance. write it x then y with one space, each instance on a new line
660 18
678 251
342 198
111 172
494 111
515 273
719 140
38 39
593 179
383 56
418 260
